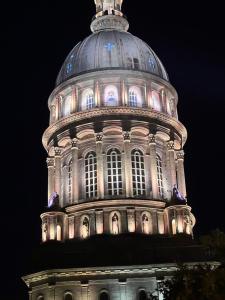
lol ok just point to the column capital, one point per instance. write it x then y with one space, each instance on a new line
58 151
126 136
74 143
180 155
99 137
170 145
152 139
50 162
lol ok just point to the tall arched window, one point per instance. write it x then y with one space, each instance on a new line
67 105
104 296
138 172
142 295
111 96
135 98
88 101
70 181
156 101
132 98
91 175
114 172
68 296
159 175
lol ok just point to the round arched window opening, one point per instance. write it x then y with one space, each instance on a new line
104 296
142 295
68 296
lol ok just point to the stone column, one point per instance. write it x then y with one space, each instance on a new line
123 290
97 94
74 100
131 220
71 227
60 108
180 173
153 166
75 171
30 295
84 291
51 176
127 157
100 175
172 165
99 221
58 173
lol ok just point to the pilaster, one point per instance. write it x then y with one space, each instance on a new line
75 171
172 166
51 175
153 166
127 157
180 173
100 180
58 173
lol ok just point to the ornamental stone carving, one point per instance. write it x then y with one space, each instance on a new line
152 139
50 162
58 151
170 145
180 155
74 143
126 136
99 137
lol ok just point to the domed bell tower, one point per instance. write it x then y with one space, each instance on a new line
115 161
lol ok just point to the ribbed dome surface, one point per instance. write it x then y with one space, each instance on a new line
111 49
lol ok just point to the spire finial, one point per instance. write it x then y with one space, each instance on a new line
109 16
109 7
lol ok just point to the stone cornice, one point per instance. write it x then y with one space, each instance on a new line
113 111
73 273
115 203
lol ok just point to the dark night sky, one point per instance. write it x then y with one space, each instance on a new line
188 36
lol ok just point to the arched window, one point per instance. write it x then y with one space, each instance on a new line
136 63
88 101
142 295
84 227
111 96
67 105
104 296
114 172
70 181
40 297
135 97
91 175
156 101
68 296
133 101
138 172
159 175
58 233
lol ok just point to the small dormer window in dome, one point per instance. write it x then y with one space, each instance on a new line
109 46
69 68
151 62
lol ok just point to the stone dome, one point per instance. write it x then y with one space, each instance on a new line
111 49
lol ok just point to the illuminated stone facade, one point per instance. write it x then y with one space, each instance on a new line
115 159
